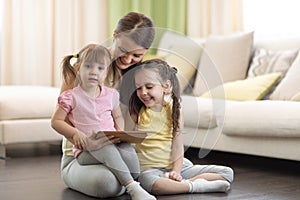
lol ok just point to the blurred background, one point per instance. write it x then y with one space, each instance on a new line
36 34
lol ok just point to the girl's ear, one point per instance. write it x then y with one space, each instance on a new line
167 87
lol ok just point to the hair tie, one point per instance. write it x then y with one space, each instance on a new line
75 55
174 69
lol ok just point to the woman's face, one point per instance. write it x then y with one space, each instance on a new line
127 52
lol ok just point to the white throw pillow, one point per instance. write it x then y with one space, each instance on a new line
225 58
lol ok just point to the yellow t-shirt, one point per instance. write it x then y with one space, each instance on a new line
155 150
67 147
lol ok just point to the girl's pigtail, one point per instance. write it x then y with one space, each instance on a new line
68 71
176 98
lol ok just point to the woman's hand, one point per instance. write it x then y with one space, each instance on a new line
97 140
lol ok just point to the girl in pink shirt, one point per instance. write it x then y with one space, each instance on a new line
91 107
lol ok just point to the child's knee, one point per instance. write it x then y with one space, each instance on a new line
147 180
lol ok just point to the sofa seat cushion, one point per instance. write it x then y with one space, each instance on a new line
27 102
267 118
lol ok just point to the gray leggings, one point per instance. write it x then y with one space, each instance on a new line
110 156
189 170
97 179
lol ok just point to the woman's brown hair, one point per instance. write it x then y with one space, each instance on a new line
139 28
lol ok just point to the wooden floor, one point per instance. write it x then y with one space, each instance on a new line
33 174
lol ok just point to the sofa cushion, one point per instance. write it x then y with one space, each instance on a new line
27 102
244 90
185 69
199 112
268 61
181 52
225 58
296 97
290 84
152 56
266 118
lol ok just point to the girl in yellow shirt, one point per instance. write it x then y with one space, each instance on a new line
155 108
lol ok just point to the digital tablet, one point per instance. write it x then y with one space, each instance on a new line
127 136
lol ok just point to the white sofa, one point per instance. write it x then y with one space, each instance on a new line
25 113
266 125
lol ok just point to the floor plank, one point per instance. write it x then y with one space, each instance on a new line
34 175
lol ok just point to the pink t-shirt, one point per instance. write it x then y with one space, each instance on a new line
89 114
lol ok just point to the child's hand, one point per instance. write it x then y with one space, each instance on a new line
96 140
79 140
175 176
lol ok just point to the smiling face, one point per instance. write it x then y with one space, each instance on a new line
150 89
127 52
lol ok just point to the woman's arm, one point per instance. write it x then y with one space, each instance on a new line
131 121
177 151
62 127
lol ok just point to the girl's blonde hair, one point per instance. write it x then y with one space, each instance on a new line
89 53
165 72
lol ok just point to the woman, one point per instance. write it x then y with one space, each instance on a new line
132 38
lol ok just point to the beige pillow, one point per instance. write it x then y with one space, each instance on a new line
290 84
225 58
181 52
296 97
152 56
244 90
266 61
185 69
